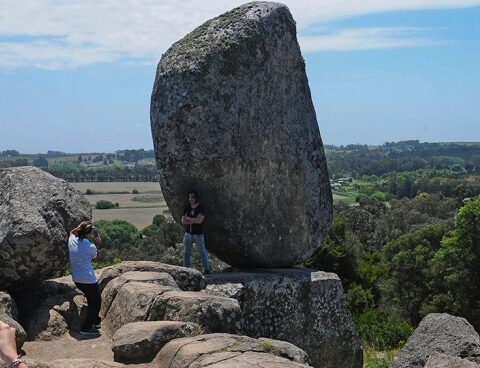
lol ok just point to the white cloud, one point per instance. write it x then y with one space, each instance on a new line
366 39
58 34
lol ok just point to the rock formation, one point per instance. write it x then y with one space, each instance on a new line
232 117
439 360
303 307
224 350
443 333
36 212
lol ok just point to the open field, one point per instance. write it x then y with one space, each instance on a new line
138 209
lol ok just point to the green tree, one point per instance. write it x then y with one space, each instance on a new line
456 265
406 282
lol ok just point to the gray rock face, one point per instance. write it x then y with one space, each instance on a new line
7 305
36 212
110 291
232 117
141 301
51 309
224 351
439 360
303 307
442 333
141 341
186 278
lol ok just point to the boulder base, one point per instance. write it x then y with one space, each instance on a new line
303 307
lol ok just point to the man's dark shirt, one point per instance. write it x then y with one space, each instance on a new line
194 212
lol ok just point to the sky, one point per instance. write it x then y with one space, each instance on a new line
76 76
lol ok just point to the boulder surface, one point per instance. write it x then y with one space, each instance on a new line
232 117
301 306
439 333
225 350
37 210
141 341
439 360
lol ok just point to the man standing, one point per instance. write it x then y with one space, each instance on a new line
192 219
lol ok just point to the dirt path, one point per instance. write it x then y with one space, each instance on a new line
73 346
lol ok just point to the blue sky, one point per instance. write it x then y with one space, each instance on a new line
77 76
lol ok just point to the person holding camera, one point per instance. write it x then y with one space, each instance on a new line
82 250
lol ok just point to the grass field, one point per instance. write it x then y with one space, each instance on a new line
138 209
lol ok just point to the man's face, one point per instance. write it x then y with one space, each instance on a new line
192 199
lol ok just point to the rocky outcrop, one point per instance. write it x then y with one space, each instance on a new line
7 305
186 278
110 291
439 360
37 210
439 333
303 307
140 342
51 308
232 117
140 301
224 350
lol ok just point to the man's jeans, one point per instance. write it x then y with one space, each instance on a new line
199 240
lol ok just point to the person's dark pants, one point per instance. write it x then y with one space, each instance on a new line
94 300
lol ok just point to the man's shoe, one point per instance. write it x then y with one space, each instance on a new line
97 326
206 272
91 332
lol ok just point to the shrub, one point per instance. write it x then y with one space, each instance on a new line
104 205
380 331
134 191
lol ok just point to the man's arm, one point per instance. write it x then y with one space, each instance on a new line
196 220
186 220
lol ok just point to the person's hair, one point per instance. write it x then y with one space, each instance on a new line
84 229
195 194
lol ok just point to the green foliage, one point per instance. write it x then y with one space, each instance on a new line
164 231
117 233
375 359
456 264
381 331
134 191
104 205
406 283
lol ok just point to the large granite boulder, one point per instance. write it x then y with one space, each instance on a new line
301 306
439 360
186 278
224 351
232 117
7 305
439 333
141 341
37 210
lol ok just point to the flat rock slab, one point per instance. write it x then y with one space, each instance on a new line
232 117
140 301
110 291
303 307
442 333
225 350
439 360
74 363
141 341
186 278
37 210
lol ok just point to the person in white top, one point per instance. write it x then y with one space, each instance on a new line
82 250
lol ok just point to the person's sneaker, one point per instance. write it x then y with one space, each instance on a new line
206 272
97 326
91 332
